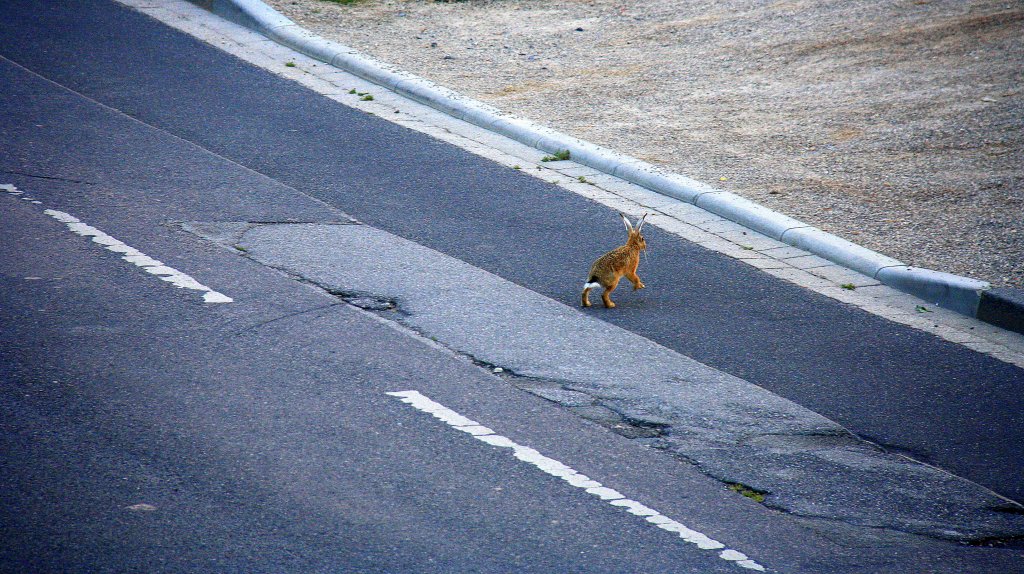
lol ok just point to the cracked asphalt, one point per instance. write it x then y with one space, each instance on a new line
732 430
147 430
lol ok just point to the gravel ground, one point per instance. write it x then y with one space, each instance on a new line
897 125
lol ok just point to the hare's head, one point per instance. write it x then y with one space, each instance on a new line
636 239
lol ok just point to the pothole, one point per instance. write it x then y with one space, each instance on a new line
366 301
747 491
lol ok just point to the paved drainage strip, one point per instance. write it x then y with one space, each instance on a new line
971 297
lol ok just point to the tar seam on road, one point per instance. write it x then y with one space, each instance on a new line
129 254
571 476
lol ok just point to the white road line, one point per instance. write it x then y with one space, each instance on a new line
574 478
129 254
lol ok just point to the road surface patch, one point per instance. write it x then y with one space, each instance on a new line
571 476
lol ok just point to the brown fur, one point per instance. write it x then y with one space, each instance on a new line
616 264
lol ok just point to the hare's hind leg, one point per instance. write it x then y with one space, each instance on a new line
590 284
606 294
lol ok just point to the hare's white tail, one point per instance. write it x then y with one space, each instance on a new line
591 285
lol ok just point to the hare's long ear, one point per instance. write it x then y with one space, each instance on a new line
641 224
629 226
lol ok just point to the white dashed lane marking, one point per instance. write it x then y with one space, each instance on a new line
574 478
128 253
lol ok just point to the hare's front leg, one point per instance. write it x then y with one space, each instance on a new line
635 280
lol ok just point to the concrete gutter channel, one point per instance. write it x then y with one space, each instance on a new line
732 430
1002 307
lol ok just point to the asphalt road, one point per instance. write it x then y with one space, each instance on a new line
259 431
146 430
942 403
258 444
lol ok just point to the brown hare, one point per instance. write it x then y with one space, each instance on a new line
612 266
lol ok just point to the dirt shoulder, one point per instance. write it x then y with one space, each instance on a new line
899 126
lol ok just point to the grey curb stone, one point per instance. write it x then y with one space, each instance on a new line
749 214
1003 308
960 294
840 251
